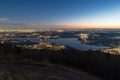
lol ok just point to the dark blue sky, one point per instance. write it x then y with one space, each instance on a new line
59 12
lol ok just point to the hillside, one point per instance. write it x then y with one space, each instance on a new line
31 64
27 72
92 63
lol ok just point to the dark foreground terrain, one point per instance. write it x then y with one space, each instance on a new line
67 64
27 72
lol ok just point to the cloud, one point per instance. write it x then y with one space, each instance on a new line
3 19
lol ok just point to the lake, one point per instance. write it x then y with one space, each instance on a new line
71 42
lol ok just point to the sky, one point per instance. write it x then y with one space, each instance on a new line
62 13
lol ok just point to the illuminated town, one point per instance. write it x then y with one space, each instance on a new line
86 36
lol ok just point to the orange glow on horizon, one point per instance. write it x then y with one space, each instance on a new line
92 26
